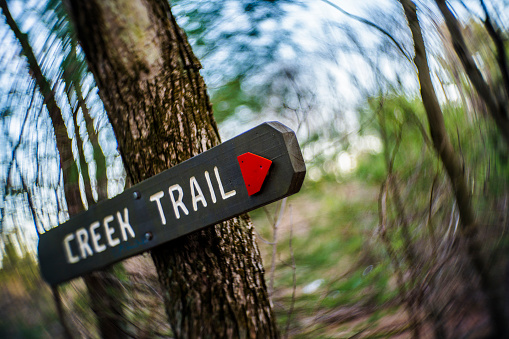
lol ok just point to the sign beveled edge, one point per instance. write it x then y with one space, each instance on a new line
297 161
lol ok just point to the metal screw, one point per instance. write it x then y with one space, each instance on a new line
136 195
148 236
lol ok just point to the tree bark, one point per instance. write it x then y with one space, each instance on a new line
454 168
156 100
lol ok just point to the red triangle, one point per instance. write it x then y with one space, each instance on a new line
254 170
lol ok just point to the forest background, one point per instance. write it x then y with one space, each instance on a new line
400 228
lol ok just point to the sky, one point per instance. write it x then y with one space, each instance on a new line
320 29
314 30
340 80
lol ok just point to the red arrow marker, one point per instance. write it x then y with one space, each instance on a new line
254 170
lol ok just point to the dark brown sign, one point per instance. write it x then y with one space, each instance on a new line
253 169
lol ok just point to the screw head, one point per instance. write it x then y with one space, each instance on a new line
136 195
148 236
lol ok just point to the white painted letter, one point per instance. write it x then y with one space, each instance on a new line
71 259
227 195
200 197
157 198
96 237
211 189
178 203
109 231
124 224
82 236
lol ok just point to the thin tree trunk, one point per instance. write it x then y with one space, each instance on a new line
114 324
498 40
455 172
105 291
107 299
83 162
60 311
69 168
99 158
496 108
407 294
404 292
157 102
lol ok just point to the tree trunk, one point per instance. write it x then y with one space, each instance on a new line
156 100
107 298
454 168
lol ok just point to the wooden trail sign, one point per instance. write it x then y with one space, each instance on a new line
253 169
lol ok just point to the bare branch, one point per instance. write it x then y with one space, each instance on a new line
294 276
495 108
375 26
499 44
275 226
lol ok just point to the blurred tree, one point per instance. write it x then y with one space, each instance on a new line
455 170
261 69
105 293
74 71
156 100
496 94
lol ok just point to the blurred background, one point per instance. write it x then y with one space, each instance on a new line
388 237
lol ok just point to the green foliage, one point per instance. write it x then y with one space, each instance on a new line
351 240
238 44
340 258
18 266
333 251
26 304
371 168
230 97
10 258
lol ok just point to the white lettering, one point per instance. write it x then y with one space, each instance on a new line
96 237
89 240
221 189
177 203
200 197
157 198
211 189
124 224
109 231
83 245
71 259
